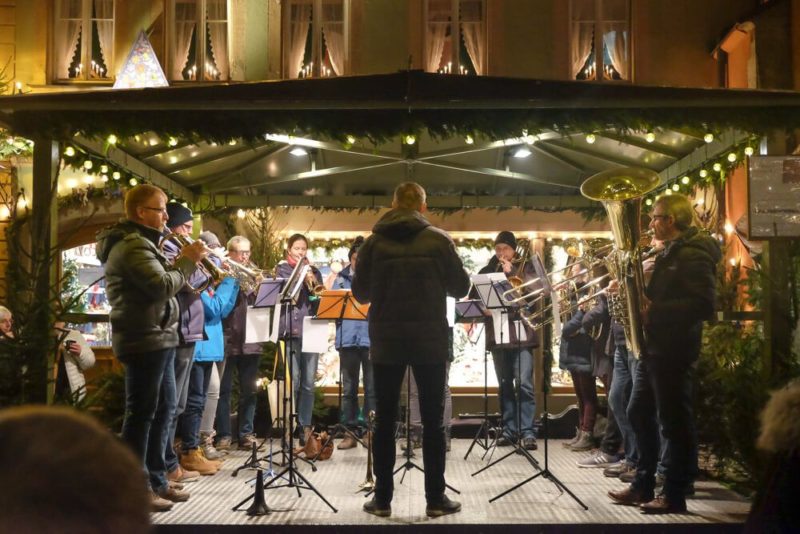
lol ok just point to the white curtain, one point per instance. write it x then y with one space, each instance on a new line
104 15
473 30
438 23
67 37
185 21
333 32
615 40
581 34
217 20
298 25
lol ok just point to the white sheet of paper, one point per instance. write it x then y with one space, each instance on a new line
502 329
257 326
315 335
487 293
451 311
276 323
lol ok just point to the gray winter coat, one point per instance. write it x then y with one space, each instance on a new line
141 285
406 269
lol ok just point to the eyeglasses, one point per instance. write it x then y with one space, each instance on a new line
162 210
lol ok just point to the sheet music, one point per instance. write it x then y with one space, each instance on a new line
315 335
257 325
451 311
502 328
485 284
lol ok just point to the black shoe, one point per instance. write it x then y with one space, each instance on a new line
375 508
529 443
504 441
442 507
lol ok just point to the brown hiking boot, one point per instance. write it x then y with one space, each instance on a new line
157 504
182 475
348 442
194 460
174 495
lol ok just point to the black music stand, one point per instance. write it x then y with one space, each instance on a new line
473 311
294 479
338 305
491 292
547 340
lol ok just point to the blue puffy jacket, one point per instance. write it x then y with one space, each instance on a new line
216 308
349 333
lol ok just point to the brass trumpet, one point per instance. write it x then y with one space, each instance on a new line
369 484
249 276
312 284
213 273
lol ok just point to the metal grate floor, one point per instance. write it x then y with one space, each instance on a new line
537 502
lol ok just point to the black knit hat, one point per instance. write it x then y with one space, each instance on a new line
357 242
506 238
178 214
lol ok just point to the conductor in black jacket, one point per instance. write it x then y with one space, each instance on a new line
406 269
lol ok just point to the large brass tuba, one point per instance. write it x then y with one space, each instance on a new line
621 191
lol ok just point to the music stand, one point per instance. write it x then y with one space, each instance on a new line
339 304
473 311
491 290
288 298
545 472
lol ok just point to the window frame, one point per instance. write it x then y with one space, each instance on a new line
87 42
598 41
316 37
455 34
200 43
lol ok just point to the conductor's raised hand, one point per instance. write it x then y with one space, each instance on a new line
195 251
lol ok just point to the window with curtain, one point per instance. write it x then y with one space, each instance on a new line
199 40
83 40
315 38
600 40
455 36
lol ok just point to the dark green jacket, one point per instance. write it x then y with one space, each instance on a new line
141 285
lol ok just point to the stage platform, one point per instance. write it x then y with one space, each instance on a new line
538 504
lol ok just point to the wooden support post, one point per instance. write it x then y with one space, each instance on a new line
44 257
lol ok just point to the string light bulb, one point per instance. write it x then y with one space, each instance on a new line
703 173
591 138
112 139
351 139
104 169
748 151
240 213
469 140
172 141
133 182
676 187
708 138
649 202
668 192
717 167
650 137
69 151
410 139
732 157
88 164
116 175
685 180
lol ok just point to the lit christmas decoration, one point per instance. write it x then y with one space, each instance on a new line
685 180
112 139
675 187
141 68
88 164
748 151
69 151
410 139
732 157
116 175
708 138
703 173
240 213
650 137
717 167
469 140
591 138
133 181
351 139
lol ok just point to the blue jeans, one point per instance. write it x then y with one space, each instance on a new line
247 367
618 398
351 360
149 405
183 367
511 366
195 404
661 396
388 381
304 373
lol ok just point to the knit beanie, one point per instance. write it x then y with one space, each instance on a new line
178 214
507 238
210 239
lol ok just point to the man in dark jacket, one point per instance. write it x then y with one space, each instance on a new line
679 297
512 353
190 330
141 285
406 269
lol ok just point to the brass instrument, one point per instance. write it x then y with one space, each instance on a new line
213 273
315 289
249 276
621 191
521 256
369 484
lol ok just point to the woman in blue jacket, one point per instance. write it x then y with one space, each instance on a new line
217 304
352 342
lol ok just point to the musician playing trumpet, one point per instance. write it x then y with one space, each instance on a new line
304 364
511 351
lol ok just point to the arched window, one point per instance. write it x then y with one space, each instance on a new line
83 40
600 40
455 36
315 38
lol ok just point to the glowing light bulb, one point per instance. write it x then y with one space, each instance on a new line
116 175
112 139
729 228
4 212
668 192
708 138
69 151
732 157
649 202
133 181
88 164
748 151
88 179
703 173
104 169
240 213
650 137
717 167
685 180
410 139
591 138
350 139
675 187
172 141
72 183
469 140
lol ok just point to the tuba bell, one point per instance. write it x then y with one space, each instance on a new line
621 191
